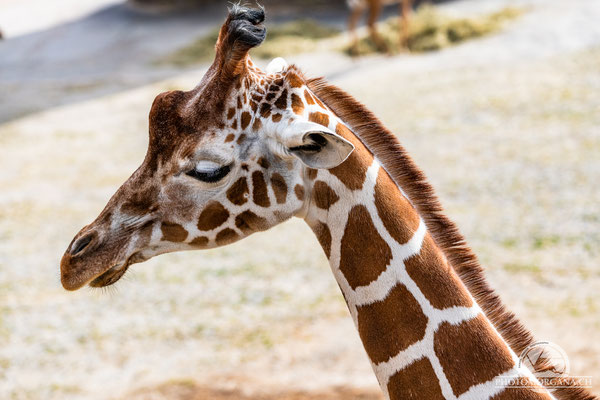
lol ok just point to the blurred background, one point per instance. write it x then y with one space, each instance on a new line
497 100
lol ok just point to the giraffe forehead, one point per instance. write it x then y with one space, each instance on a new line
179 123
182 122
203 108
214 107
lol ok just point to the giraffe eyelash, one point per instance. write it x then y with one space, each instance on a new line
209 175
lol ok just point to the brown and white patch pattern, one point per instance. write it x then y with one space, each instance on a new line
399 288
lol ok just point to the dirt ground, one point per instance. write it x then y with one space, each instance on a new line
506 127
190 391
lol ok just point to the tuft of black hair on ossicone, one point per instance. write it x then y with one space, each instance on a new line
253 15
245 25
242 31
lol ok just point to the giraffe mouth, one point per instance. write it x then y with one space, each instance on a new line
109 277
116 272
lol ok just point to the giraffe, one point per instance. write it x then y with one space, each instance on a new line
357 8
248 149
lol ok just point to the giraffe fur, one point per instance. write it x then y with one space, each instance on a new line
246 150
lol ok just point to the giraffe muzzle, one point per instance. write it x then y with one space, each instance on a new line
109 277
79 246
91 259
116 272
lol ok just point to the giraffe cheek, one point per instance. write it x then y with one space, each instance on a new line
180 203
279 188
248 223
200 241
173 232
144 235
238 192
260 193
213 216
226 236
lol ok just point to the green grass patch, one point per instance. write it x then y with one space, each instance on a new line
510 243
523 268
65 389
431 30
252 338
578 307
542 242
284 39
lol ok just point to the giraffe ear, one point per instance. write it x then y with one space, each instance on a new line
317 146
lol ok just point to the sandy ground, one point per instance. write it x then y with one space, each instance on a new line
506 127
18 17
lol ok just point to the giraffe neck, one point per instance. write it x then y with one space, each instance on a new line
425 335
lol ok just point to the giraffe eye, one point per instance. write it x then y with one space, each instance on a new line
207 171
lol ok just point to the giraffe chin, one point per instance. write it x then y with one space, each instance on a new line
114 273
109 277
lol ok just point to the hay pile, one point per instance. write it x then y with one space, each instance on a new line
431 30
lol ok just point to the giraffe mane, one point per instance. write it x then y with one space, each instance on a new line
403 170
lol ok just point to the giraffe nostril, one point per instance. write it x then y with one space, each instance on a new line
81 244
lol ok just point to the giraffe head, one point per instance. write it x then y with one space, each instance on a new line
224 160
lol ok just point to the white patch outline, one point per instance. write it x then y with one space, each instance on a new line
385 282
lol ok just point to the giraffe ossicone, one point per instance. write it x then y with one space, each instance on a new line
246 150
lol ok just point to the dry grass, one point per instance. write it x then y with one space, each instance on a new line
188 390
431 30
